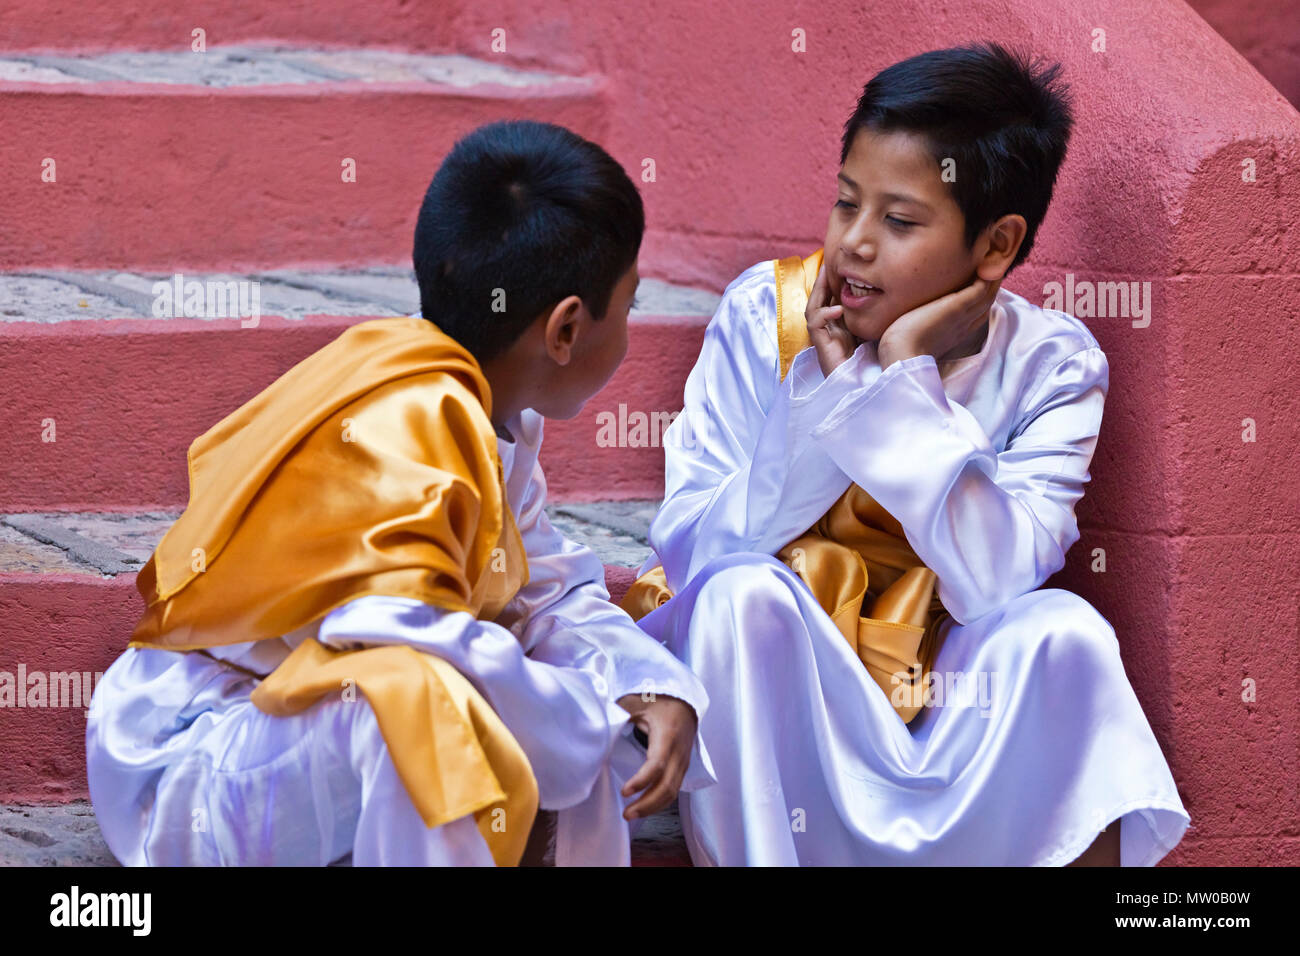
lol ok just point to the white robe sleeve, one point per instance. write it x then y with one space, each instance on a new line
563 616
991 525
742 472
565 750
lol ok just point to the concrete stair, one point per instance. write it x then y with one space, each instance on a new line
254 139
126 396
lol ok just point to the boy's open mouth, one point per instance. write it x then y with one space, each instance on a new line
854 292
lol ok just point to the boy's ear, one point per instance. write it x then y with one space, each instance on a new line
1004 238
560 333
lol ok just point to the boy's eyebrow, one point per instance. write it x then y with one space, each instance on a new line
899 197
888 197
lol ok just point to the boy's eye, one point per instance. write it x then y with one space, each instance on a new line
843 204
899 222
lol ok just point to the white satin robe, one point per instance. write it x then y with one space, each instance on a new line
982 460
184 769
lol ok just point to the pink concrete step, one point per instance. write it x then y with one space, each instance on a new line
122 399
235 157
161 25
68 603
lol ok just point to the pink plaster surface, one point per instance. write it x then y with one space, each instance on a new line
176 178
1200 529
128 396
1265 32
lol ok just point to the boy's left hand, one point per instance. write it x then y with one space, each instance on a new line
937 327
670 725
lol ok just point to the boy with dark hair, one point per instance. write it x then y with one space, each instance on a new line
363 635
875 471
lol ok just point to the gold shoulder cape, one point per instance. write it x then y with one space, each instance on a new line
856 560
370 467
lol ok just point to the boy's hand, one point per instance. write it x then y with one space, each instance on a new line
937 327
670 724
826 329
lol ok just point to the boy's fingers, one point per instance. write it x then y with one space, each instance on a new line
638 779
659 761
653 778
988 295
660 795
817 297
653 801
822 318
972 294
645 805
972 300
657 797
653 768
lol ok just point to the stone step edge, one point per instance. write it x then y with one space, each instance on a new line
49 296
109 544
67 834
258 67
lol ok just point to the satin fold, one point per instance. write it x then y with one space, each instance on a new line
471 765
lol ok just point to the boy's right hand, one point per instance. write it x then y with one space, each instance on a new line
670 724
832 339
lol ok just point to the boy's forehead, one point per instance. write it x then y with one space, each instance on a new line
893 165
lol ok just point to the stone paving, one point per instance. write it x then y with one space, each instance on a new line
68 836
111 544
270 65
53 295
118 543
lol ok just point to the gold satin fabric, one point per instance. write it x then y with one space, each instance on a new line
370 467
856 560
457 757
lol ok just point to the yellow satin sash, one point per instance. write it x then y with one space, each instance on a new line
370 467
856 560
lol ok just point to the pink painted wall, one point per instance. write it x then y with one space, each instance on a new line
1265 32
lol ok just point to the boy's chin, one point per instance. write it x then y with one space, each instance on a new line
866 330
562 412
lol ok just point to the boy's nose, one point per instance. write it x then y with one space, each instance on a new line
863 252
859 240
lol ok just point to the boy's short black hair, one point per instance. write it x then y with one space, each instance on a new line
519 215
1003 118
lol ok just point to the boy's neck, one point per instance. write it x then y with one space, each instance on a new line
973 343
507 399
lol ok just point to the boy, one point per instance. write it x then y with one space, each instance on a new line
876 468
363 635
